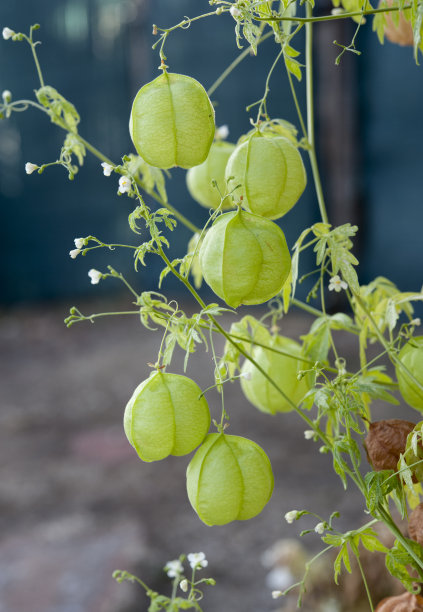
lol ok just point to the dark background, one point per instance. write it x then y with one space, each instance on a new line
97 53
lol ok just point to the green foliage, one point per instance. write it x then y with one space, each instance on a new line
61 111
399 559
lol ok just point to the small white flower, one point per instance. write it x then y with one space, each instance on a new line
30 168
7 33
124 184
95 276
235 12
7 96
184 585
197 560
74 253
107 168
337 284
79 242
320 528
308 434
276 594
416 322
174 568
222 132
337 11
245 375
291 516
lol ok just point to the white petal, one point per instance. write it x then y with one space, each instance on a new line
30 168
7 33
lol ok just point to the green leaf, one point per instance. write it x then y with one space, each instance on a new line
61 111
397 560
342 557
293 66
370 541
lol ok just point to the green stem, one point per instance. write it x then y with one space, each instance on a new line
34 55
309 19
366 586
389 522
267 88
297 104
310 115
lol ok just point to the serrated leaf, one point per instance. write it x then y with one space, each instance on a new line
371 542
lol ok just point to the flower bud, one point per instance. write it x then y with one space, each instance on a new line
7 33
7 96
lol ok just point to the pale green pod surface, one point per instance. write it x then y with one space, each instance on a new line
229 478
282 369
166 416
244 258
271 173
411 355
172 122
199 178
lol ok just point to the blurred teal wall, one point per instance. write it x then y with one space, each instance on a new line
97 53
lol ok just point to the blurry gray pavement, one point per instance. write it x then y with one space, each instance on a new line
76 503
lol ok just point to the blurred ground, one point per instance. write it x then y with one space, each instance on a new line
76 502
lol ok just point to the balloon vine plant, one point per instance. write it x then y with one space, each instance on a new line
241 253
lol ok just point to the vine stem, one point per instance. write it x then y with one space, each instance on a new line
311 19
363 576
389 522
35 56
310 115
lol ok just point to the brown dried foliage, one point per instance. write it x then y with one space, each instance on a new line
401 34
385 442
415 524
407 602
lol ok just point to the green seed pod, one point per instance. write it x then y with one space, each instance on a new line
282 369
166 416
228 479
270 173
172 122
199 178
411 355
244 258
